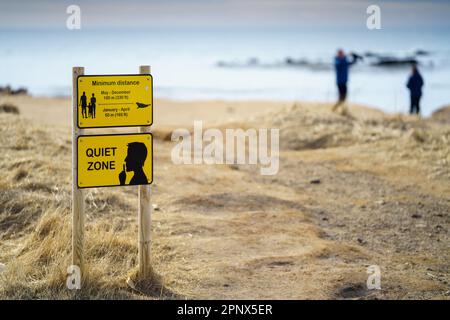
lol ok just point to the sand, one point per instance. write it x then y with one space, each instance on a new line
352 191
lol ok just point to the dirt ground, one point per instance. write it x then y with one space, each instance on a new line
352 191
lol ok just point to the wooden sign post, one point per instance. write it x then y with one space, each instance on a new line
144 215
77 194
135 89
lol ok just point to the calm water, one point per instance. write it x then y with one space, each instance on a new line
184 62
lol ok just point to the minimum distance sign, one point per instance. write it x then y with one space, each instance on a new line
114 100
115 160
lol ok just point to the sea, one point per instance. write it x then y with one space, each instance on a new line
287 64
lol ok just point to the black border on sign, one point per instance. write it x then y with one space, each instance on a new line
119 134
113 75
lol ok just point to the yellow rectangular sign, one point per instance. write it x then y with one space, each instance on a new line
115 100
115 160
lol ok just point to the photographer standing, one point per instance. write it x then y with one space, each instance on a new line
341 65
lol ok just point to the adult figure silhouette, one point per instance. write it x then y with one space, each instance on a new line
93 101
83 103
134 161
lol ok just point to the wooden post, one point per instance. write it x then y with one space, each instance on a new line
77 194
144 216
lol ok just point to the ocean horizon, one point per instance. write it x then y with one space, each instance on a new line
234 63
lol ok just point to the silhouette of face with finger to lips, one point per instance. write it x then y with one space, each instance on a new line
134 161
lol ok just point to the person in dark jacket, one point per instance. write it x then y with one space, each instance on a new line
415 84
341 65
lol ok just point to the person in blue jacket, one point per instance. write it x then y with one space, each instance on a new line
415 84
341 65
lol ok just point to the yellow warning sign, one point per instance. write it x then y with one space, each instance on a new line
115 160
115 100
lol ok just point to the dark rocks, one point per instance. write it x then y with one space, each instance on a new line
9 91
352 291
9 108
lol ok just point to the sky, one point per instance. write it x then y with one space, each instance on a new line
223 13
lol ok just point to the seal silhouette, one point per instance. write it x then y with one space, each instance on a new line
141 105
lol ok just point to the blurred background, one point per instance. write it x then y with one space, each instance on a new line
232 49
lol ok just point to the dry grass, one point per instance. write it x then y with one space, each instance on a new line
39 267
35 224
226 231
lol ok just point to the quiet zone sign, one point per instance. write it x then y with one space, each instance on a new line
115 160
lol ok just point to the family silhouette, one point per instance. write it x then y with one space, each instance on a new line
134 161
88 110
